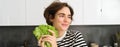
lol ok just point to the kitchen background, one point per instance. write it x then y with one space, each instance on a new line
98 20
87 12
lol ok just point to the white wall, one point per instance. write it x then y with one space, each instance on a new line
87 12
35 9
12 12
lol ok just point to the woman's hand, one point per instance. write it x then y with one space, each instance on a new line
48 38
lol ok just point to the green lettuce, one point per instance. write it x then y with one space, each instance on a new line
43 30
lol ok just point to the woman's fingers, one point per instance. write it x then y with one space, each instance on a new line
43 43
52 32
47 38
39 41
42 40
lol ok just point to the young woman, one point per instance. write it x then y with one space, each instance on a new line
60 16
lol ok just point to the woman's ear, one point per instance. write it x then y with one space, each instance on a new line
51 18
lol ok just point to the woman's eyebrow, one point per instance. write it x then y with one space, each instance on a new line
64 14
61 14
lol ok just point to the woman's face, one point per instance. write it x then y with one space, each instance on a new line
62 19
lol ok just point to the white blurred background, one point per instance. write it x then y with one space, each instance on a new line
87 12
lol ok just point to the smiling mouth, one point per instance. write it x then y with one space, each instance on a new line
65 25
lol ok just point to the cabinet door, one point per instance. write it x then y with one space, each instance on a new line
77 6
111 11
101 12
92 12
12 12
3 14
35 9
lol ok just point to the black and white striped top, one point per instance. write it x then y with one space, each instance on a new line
72 39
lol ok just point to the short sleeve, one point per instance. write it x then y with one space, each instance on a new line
79 40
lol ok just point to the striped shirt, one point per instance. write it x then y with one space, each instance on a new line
72 39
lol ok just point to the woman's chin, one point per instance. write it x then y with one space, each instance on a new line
65 29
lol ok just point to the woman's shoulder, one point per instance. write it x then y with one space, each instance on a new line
74 33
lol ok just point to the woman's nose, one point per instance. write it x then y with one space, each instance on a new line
66 19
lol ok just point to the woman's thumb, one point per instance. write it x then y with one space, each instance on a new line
52 32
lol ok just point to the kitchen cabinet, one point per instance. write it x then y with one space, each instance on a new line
101 12
77 6
12 12
35 9
110 12
91 13
86 12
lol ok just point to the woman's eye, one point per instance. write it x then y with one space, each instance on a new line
69 16
61 15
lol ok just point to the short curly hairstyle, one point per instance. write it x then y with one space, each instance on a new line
51 10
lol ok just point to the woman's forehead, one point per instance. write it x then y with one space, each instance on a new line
65 10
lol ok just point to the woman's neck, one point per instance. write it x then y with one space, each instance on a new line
61 33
